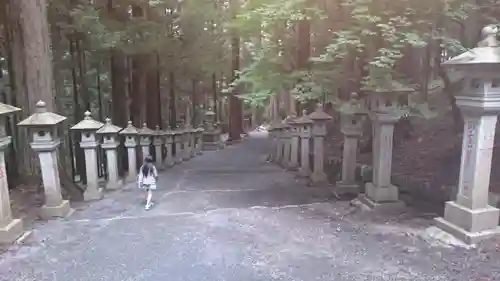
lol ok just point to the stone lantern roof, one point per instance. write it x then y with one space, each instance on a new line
487 52
88 124
7 109
291 119
42 118
304 119
109 128
145 131
209 113
319 114
129 130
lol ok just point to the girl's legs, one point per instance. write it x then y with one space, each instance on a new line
148 199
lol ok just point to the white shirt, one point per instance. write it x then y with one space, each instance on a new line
150 179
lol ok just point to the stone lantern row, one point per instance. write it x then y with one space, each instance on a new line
468 216
43 126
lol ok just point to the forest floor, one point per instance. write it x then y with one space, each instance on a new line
229 215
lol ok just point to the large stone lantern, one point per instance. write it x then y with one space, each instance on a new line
305 126
43 126
158 144
89 142
130 133
10 229
384 108
351 124
145 135
109 133
274 141
169 143
470 217
319 118
211 134
287 139
294 140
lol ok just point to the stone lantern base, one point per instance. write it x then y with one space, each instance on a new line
212 141
469 225
61 211
342 188
382 198
11 232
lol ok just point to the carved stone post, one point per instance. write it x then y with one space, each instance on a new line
186 139
352 129
286 138
305 125
145 135
294 144
178 145
169 143
89 143
319 118
110 144
470 217
45 143
158 143
211 134
278 127
199 140
10 229
131 133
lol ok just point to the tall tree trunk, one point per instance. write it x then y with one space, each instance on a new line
31 70
235 104
172 102
153 93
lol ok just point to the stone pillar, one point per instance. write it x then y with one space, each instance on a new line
381 193
169 142
45 144
304 124
110 145
178 146
319 118
158 143
10 229
279 142
352 130
90 144
294 145
285 159
192 142
470 217
199 141
186 139
131 133
274 142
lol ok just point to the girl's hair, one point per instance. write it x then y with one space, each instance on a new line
147 168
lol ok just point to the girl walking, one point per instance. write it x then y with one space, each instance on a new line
147 180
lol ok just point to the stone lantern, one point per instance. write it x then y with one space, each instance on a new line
470 217
199 140
287 138
10 229
158 143
186 140
351 124
278 128
178 134
384 110
319 118
145 135
43 125
192 141
211 134
89 143
272 135
169 143
294 141
305 127
130 133
109 133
